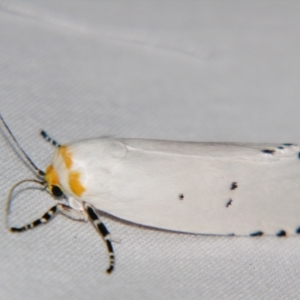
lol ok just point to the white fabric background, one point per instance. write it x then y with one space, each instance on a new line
178 70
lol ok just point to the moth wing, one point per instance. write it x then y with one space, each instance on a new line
188 187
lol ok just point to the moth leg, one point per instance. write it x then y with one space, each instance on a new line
48 139
50 214
102 230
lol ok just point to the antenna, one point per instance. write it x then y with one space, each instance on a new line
9 197
27 158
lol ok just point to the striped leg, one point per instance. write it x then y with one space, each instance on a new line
100 227
45 135
52 212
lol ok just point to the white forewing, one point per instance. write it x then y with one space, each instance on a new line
206 188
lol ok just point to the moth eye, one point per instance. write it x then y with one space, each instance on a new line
56 191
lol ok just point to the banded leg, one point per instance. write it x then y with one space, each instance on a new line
45 135
102 230
50 214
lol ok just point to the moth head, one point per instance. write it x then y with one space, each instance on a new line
62 177
52 183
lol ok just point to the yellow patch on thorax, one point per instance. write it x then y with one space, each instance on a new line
75 184
66 156
51 176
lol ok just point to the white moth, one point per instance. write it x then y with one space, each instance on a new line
204 188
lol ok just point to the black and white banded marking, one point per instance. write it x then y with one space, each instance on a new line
280 233
44 219
282 150
75 215
48 139
49 215
101 228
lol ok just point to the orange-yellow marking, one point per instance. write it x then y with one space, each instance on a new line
75 184
51 176
66 155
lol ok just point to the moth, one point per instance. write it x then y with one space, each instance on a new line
192 187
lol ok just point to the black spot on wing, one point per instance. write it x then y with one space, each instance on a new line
229 202
280 147
288 144
257 233
268 151
297 230
181 196
234 186
281 233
